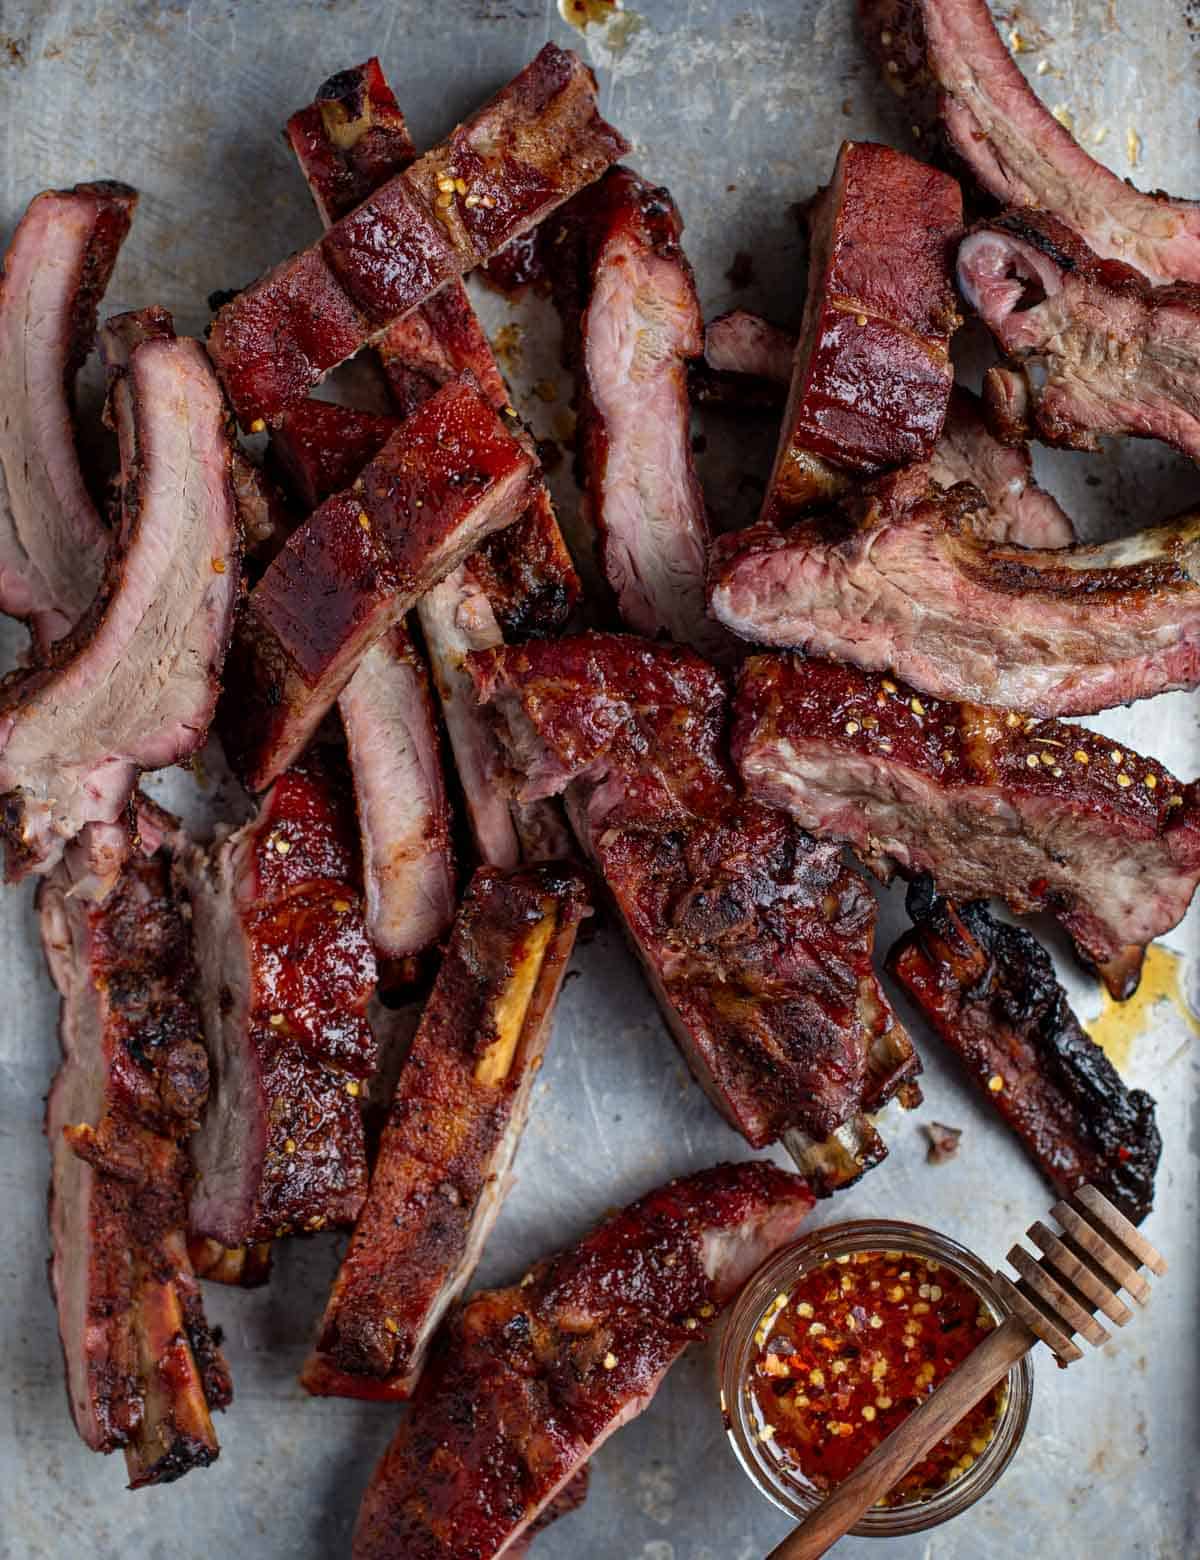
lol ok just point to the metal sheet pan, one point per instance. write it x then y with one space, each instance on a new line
739 107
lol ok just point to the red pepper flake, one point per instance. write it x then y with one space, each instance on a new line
827 1389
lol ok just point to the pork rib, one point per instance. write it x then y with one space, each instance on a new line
1046 816
286 970
871 374
453 1130
532 146
403 815
632 322
746 359
447 477
756 939
135 684
1093 348
527 1382
989 992
143 1370
52 542
905 583
948 62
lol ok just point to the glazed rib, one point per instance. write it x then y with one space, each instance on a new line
756 940
1093 349
903 582
632 322
1046 816
947 61
52 542
455 1123
143 1370
134 686
989 993
871 374
526 151
286 970
447 477
527 1382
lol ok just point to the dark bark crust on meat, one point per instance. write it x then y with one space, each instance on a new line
526 1382
756 939
442 1170
144 1371
989 992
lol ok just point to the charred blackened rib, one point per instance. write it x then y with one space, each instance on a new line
448 476
453 1130
52 542
948 62
133 687
989 992
527 1382
756 939
1047 816
632 323
143 1371
286 969
903 581
538 141
1094 350
871 375
403 815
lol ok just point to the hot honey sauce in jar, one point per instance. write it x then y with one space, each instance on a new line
833 1345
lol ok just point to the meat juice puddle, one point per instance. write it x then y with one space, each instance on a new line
1119 1024
849 1351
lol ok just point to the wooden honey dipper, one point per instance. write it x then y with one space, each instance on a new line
1053 1298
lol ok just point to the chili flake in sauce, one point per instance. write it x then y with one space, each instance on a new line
855 1346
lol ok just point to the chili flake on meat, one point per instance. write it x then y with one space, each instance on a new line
854 1347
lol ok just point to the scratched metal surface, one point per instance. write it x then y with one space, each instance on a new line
740 109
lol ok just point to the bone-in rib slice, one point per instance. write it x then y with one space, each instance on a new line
403 815
1094 349
135 684
906 584
143 1371
871 376
1047 816
747 356
989 992
448 476
756 939
948 62
52 542
527 1382
286 970
452 1133
526 151
632 322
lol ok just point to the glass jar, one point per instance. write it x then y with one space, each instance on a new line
786 1488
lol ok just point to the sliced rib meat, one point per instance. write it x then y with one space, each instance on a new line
527 1382
143 1370
747 347
403 815
286 970
532 146
632 322
456 1120
907 584
989 993
447 477
755 939
871 375
1047 816
52 542
134 686
1093 348
948 62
